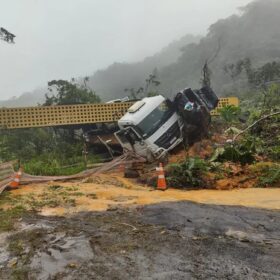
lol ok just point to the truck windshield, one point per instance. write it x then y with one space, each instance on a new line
155 119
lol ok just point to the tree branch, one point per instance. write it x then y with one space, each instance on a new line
252 125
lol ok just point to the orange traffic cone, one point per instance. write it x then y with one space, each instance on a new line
161 183
15 183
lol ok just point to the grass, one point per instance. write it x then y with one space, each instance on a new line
54 196
55 187
10 216
13 207
52 169
55 165
268 174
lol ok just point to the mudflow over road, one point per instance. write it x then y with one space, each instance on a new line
110 228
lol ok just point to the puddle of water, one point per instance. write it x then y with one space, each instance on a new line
61 253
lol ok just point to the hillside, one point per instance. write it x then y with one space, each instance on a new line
26 99
254 34
120 75
111 82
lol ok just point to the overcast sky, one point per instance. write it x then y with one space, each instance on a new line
71 38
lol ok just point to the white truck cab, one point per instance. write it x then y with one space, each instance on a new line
150 128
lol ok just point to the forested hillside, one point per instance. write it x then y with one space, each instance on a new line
111 82
253 34
26 99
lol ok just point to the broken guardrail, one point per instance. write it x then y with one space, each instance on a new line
6 174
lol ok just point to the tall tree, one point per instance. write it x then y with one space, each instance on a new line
67 93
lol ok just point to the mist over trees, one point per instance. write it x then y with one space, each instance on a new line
112 82
252 36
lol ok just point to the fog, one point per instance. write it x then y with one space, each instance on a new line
73 38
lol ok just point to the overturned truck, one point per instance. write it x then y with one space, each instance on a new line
155 125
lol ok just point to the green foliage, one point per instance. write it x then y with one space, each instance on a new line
43 151
270 177
51 168
68 93
268 132
242 152
9 217
25 143
230 113
271 97
187 174
50 151
268 174
264 74
235 70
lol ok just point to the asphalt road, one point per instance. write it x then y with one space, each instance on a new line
174 240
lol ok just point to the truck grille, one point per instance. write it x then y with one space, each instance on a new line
165 141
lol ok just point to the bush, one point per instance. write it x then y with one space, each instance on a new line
187 174
268 174
56 165
229 113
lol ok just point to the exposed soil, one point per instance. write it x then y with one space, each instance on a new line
179 240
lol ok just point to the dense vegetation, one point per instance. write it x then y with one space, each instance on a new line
256 152
51 151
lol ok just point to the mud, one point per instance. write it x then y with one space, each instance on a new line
171 240
105 192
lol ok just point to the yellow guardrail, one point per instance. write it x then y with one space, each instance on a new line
44 116
225 102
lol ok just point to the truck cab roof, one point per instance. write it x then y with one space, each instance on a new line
139 110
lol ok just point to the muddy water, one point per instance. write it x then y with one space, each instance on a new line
101 196
62 252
